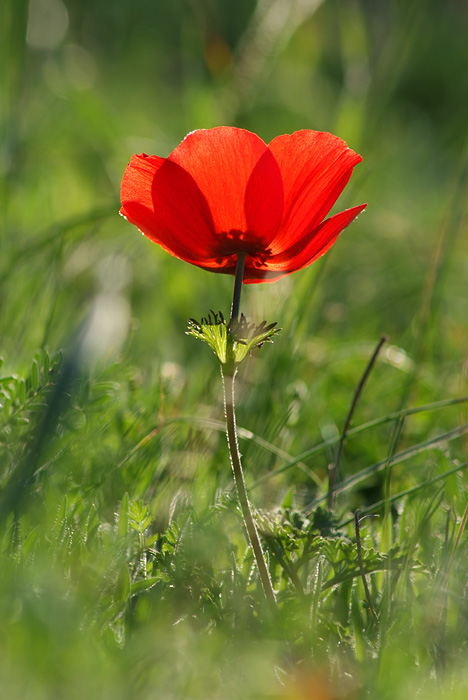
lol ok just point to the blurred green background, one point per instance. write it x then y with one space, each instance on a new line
84 85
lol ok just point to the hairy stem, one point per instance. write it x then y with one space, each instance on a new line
251 528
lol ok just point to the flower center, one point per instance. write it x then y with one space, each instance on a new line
234 241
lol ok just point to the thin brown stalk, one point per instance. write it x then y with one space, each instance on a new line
334 471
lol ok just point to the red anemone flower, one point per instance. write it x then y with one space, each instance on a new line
223 192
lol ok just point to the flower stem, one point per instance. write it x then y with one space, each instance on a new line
238 285
251 528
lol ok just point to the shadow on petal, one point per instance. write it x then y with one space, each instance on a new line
184 224
264 200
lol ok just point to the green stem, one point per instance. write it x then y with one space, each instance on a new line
251 528
238 286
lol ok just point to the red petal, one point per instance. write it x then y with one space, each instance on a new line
306 251
165 203
315 167
240 181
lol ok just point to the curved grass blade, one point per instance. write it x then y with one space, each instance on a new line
407 492
396 459
356 431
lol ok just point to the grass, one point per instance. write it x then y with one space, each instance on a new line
125 570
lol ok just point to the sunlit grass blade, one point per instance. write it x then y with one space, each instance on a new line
219 426
24 251
407 492
399 457
356 431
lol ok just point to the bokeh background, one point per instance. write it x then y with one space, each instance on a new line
84 85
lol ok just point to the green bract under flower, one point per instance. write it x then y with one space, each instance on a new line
234 341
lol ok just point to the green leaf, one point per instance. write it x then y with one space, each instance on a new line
287 500
139 517
22 391
123 588
46 366
35 375
6 405
122 527
144 584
